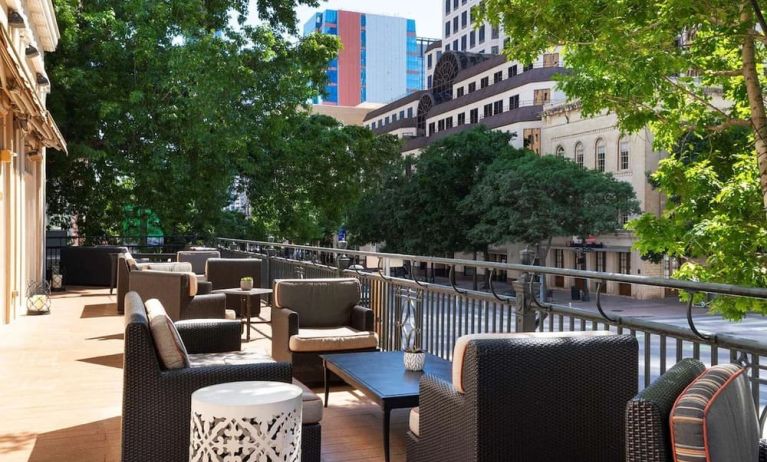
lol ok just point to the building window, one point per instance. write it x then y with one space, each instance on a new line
601 261
624 262
551 60
410 113
428 81
494 33
441 125
374 125
431 128
386 120
623 161
447 6
455 24
472 39
462 119
579 153
449 123
463 43
485 82
429 59
527 67
488 110
559 258
472 87
623 219
464 19
459 92
455 4
447 29
455 45
494 50
474 116
402 114
541 96
498 76
498 107
481 34
560 151
600 155
394 117
512 71
513 102
447 47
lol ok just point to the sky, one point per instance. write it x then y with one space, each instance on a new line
427 13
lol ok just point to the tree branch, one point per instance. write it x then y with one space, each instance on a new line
759 15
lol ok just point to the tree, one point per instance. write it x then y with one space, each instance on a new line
713 216
417 209
531 199
312 172
163 103
692 71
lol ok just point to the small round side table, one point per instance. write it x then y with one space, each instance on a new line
246 422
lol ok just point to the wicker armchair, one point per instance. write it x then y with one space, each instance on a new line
157 402
315 316
527 398
648 436
225 273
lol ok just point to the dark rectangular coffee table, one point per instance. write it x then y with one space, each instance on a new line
382 377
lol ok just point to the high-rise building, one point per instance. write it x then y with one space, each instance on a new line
460 33
380 59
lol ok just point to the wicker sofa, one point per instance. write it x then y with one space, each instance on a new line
157 401
527 398
315 316
174 284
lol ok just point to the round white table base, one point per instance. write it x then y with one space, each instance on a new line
223 430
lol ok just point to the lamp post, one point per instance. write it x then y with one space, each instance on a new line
343 260
525 314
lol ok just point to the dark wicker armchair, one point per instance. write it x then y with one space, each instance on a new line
527 398
315 316
157 402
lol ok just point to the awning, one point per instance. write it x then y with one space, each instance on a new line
19 86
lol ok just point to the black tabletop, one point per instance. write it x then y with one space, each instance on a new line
383 373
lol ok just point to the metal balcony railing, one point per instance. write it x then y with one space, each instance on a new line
447 311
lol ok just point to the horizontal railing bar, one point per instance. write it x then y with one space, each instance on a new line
690 286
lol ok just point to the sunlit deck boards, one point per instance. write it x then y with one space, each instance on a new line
61 390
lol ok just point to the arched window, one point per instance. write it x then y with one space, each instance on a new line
600 155
560 151
623 154
579 153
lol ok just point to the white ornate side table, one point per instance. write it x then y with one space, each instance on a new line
246 422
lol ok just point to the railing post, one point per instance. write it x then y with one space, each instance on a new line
525 314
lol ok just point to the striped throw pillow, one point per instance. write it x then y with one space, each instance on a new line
715 419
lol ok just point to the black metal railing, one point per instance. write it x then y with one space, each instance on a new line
446 311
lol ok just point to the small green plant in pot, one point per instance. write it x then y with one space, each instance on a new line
246 283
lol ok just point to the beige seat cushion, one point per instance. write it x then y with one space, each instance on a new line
166 339
462 343
415 421
230 314
332 339
228 358
312 413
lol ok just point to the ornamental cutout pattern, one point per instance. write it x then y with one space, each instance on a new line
226 439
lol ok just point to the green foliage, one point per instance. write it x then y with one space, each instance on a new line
312 171
418 209
625 57
163 104
713 223
531 199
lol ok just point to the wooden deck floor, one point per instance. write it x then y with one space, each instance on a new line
61 390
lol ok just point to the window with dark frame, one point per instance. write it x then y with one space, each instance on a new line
623 161
463 43
410 112
447 6
472 87
459 92
431 128
498 76
512 71
449 123
462 119
624 262
441 125
474 116
494 33
485 82
455 24
498 107
513 102
494 50
527 67
464 19
472 39
488 110
481 33
447 29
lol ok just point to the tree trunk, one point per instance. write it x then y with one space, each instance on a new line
756 101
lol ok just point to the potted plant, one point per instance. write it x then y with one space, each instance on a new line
246 283
414 357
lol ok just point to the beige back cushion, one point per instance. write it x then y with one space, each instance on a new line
192 277
168 343
459 352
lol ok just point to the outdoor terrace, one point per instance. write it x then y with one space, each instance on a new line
61 389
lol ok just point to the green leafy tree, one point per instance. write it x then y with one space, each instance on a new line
418 208
163 104
693 71
531 199
305 181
